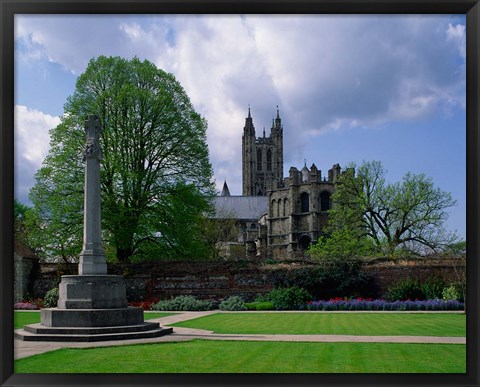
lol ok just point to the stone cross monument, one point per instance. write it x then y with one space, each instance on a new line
92 306
92 257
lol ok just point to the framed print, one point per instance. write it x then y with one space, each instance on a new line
270 110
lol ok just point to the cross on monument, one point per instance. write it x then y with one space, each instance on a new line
92 257
93 129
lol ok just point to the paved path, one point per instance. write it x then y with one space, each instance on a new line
29 348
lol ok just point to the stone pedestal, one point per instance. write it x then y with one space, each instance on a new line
92 292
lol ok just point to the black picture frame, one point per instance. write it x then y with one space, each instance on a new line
8 9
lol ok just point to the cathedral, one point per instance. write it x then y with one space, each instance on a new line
278 217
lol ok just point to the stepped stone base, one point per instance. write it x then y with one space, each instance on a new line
56 317
38 332
91 308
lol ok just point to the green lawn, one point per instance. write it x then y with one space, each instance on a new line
25 318
411 324
204 356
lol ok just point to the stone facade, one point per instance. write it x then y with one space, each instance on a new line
298 211
296 206
262 157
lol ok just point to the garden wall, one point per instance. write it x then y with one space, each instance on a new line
218 280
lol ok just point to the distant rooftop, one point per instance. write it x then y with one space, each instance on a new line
242 207
225 190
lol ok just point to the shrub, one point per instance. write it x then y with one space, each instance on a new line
233 303
265 305
189 303
412 289
51 298
450 293
289 298
332 278
404 290
259 305
433 288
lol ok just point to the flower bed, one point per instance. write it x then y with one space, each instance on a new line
145 304
361 304
25 306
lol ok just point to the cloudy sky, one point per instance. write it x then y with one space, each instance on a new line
349 88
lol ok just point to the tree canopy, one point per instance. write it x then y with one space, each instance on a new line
156 177
383 218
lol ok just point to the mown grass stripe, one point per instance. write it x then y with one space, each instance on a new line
403 324
205 356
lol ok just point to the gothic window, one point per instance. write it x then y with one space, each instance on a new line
259 159
278 208
285 205
324 201
273 208
269 160
304 200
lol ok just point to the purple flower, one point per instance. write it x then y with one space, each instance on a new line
408 305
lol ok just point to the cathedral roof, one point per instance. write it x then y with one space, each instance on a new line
225 190
243 207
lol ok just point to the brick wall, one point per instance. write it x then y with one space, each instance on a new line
218 280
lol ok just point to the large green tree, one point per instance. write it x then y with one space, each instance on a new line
407 215
156 178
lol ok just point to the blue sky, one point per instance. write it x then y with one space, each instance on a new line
349 88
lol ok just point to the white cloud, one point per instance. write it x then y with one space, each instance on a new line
324 72
133 30
31 131
457 34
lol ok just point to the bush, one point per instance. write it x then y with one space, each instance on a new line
450 293
333 278
433 288
182 303
411 289
233 303
51 298
259 305
289 298
265 305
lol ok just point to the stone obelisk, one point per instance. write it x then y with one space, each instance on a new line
92 257
92 305
92 288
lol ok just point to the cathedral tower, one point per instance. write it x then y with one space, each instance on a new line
262 158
